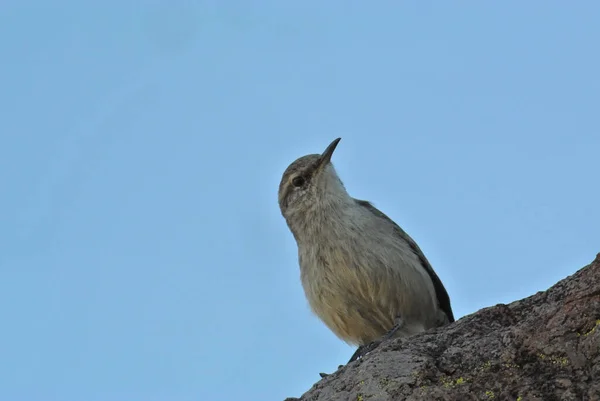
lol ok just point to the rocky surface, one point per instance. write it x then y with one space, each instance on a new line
543 348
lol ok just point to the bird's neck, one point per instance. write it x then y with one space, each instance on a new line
326 217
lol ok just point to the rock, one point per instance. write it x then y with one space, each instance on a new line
545 347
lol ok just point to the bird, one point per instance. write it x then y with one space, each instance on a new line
364 277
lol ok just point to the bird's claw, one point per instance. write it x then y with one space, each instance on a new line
364 349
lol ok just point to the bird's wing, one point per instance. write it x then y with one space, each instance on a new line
440 290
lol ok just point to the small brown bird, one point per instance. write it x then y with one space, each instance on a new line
363 276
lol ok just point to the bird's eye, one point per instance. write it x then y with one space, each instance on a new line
298 181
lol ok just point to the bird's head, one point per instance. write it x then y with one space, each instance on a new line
310 182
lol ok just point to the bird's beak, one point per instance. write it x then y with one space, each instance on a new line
326 155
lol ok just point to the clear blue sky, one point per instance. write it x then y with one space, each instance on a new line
143 255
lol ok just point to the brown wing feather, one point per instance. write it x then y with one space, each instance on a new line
440 291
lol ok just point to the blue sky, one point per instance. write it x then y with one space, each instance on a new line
143 255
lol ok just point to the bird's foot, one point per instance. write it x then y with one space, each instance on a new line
365 349
398 324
